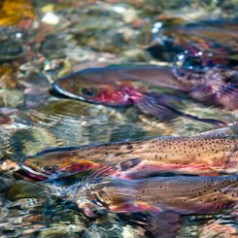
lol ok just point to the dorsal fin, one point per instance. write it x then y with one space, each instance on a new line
231 130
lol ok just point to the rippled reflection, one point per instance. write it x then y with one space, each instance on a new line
42 41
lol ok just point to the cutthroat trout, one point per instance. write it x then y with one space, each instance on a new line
182 194
125 85
208 42
210 153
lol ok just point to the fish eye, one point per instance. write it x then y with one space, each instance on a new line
89 92
36 163
49 168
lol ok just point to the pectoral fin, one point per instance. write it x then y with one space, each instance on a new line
156 105
134 206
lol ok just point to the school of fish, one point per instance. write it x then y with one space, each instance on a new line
183 175
208 162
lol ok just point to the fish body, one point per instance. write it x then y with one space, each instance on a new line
116 75
217 86
182 194
125 85
197 44
119 86
201 154
213 34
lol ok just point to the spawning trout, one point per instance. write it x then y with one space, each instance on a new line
213 152
125 86
182 194
206 42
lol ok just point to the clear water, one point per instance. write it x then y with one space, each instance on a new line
56 38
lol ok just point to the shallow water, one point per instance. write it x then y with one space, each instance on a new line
49 40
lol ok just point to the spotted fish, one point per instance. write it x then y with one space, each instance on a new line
182 194
213 152
125 86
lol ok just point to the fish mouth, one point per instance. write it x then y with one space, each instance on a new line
55 87
34 173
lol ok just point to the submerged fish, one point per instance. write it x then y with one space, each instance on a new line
202 43
61 168
211 153
182 194
122 86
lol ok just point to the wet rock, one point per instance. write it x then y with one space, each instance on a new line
29 141
34 79
57 68
14 12
6 180
22 190
9 166
53 46
8 77
132 232
212 228
61 230
209 7
105 27
11 97
36 89
10 49
167 4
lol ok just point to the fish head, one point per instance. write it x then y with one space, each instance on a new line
55 165
118 195
121 93
111 193
40 167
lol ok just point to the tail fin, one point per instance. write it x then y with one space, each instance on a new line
157 105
